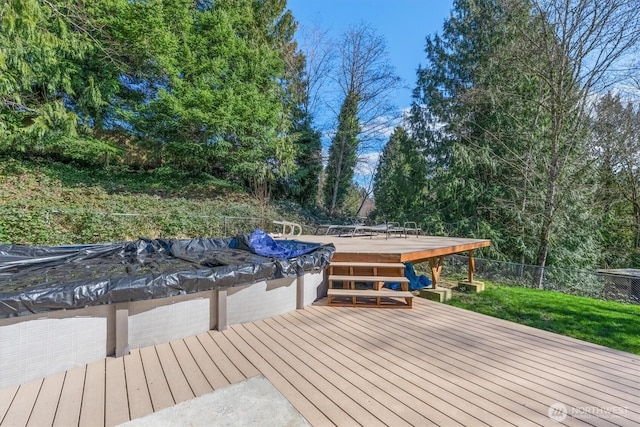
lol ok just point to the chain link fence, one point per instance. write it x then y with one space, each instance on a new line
617 285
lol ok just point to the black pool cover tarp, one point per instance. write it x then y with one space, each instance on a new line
36 279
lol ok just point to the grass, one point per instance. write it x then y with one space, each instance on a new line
49 203
608 323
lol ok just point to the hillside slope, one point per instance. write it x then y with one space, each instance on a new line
45 203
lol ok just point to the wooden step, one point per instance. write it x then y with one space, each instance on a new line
367 264
368 298
347 278
369 293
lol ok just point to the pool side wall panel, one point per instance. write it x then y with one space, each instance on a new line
39 345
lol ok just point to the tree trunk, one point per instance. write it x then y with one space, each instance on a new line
547 222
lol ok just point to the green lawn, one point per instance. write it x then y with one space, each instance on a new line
611 324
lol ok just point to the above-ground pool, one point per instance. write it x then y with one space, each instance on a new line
62 307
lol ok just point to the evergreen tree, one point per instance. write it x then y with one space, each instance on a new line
501 118
49 94
342 155
616 132
400 179
302 184
472 115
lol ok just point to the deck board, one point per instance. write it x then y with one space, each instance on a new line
298 399
580 380
68 412
336 414
6 398
22 405
93 403
137 390
176 379
519 351
381 352
495 365
44 410
226 366
159 390
349 380
192 372
116 404
433 365
239 360
330 353
492 363
340 390
608 361
437 368
209 369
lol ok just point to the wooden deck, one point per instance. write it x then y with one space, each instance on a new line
395 249
433 365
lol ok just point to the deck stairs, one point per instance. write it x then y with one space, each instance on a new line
363 285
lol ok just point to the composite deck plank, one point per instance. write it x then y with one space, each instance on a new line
466 375
542 361
238 359
440 394
577 352
419 355
346 382
176 379
384 350
528 380
353 357
434 365
404 348
583 349
197 381
158 387
68 412
116 403
6 398
550 376
20 410
210 370
302 402
92 411
137 390
356 373
320 400
46 404
226 366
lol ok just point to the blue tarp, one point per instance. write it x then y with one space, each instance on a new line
263 244
415 282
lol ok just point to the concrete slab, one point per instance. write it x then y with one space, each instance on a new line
471 286
253 402
437 294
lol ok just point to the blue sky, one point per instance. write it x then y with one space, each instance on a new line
403 23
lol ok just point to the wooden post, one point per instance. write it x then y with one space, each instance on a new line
213 309
222 309
472 266
300 292
122 330
436 268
